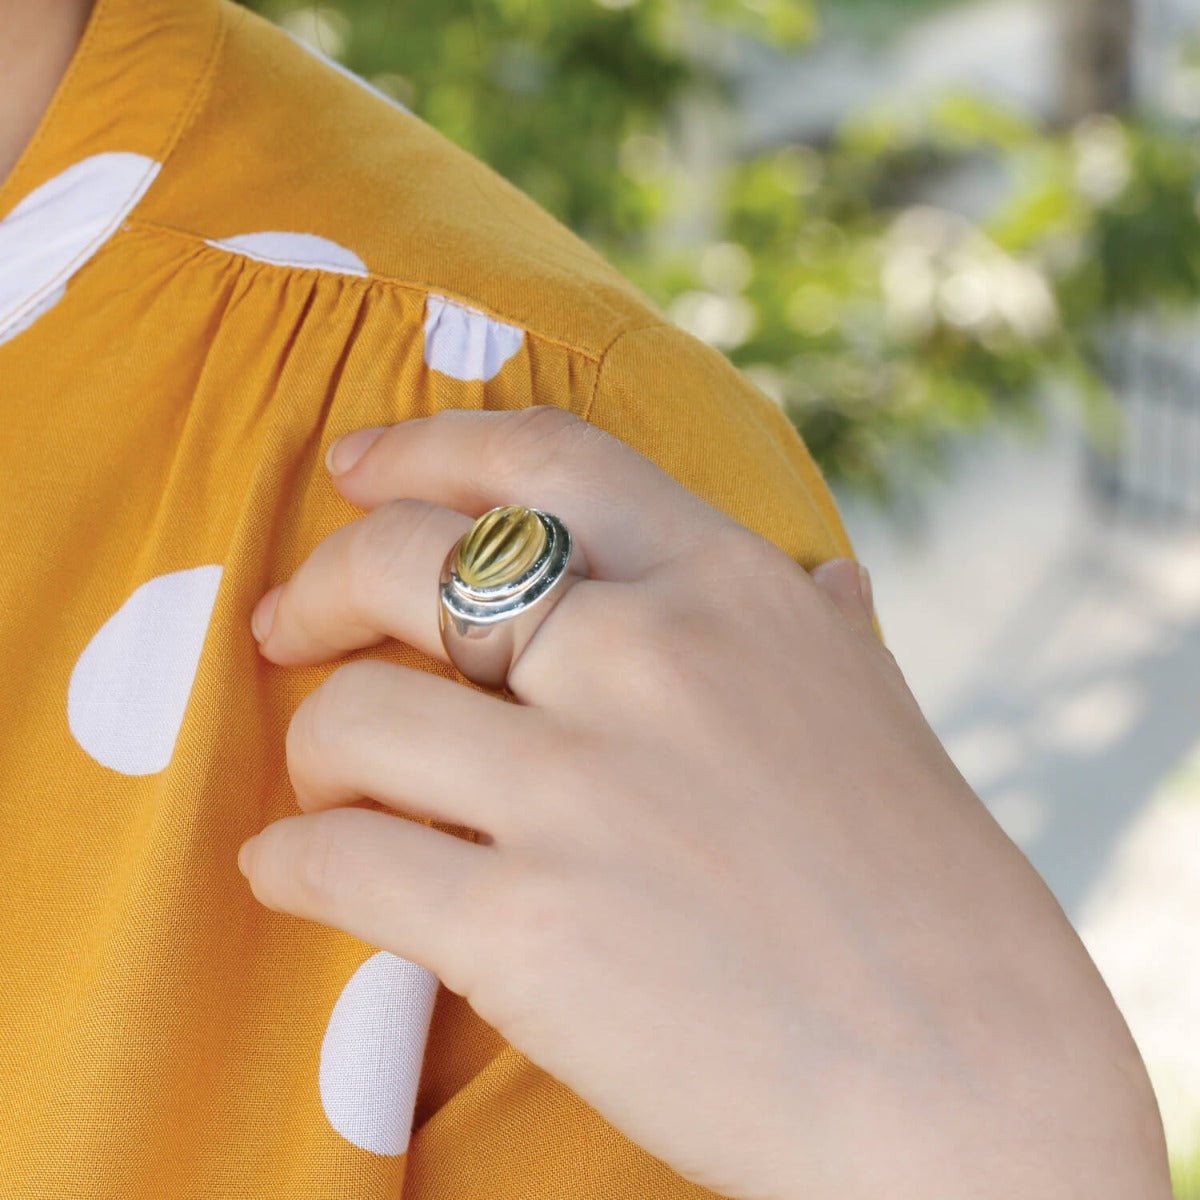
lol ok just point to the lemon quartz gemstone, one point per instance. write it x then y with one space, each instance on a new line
500 547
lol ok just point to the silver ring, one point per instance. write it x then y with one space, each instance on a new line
499 582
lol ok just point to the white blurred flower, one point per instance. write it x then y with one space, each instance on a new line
1181 93
722 321
1100 158
938 266
927 228
769 380
1023 299
399 87
322 27
726 267
909 287
965 298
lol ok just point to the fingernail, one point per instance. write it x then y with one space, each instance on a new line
345 451
263 615
243 851
865 589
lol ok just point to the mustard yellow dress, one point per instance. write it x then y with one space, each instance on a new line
218 254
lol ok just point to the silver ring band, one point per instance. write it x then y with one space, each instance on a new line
488 618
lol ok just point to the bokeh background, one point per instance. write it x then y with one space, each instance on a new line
958 242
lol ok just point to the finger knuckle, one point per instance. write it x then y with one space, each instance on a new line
533 442
569 763
315 733
294 867
534 921
672 657
302 742
655 646
740 561
380 543
315 866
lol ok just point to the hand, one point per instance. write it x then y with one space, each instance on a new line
730 889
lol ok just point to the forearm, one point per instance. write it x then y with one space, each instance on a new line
1026 1083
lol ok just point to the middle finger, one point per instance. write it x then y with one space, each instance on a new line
414 742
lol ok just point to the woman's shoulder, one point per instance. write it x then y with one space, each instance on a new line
292 159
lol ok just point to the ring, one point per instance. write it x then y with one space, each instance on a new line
498 584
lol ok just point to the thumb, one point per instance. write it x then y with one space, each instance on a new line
848 586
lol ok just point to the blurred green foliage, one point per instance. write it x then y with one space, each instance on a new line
883 326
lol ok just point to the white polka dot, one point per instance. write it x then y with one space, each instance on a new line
130 686
294 250
55 229
372 1053
337 66
466 343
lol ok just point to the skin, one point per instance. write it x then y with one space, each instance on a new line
39 37
730 890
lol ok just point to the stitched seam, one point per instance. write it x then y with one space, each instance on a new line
600 362
87 252
200 90
416 286
775 445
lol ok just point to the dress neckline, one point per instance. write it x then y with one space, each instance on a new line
134 83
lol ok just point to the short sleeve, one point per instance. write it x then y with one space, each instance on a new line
686 407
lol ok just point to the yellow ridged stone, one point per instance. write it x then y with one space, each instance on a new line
500 547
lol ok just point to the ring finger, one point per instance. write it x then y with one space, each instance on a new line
371 579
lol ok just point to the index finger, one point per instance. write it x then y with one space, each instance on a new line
627 513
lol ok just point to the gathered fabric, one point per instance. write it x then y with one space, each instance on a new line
218 254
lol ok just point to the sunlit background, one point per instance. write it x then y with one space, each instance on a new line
958 242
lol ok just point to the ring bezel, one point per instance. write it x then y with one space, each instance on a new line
485 630
486 606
